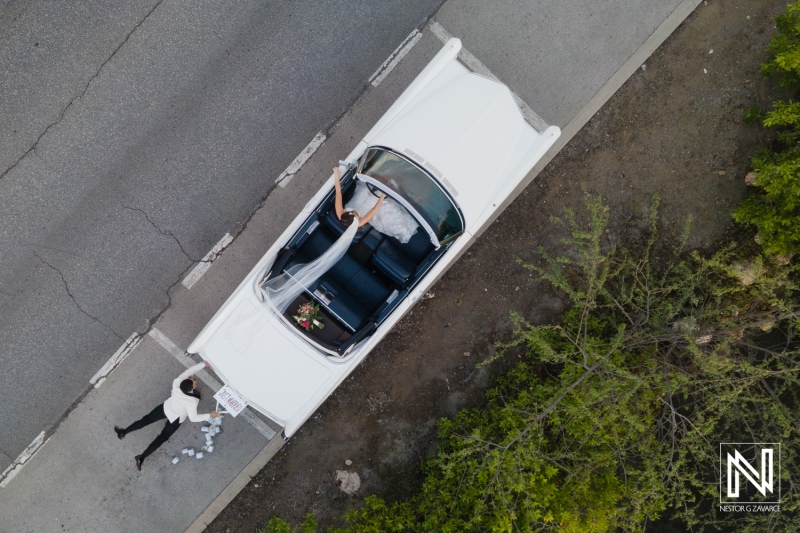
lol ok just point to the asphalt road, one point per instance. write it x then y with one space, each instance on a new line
134 136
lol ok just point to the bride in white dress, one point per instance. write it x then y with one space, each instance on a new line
282 290
346 216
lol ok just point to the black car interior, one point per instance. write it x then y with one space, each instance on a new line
365 285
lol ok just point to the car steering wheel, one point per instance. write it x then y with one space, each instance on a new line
374 190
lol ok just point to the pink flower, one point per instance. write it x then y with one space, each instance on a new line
305 324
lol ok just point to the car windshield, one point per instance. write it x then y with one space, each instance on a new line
416 187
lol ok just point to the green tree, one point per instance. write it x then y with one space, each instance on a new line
774 209
784 49
617 412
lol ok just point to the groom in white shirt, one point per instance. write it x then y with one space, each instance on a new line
180 405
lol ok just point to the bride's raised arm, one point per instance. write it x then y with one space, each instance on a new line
368 216
338 186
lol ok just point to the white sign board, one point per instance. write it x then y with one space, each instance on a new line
232 402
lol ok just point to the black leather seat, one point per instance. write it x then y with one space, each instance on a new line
417 248
373 239
343 304
357 291
393 262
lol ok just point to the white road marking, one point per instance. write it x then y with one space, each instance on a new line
170 346
206 378
15 467
301 159
474 64
379 75
119 356
392 61
198 271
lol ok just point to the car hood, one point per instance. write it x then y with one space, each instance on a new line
268 366
467 130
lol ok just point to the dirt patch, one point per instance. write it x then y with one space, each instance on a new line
674 129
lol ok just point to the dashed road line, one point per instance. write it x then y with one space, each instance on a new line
287 175
392 61
119 356
210 381
376 78
198 271
172 348
97 380
475 65
27 454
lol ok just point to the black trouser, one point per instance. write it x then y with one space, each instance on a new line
154 416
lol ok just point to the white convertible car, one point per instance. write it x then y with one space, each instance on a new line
447 153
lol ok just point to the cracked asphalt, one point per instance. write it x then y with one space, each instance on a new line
135 135
72 296
167 232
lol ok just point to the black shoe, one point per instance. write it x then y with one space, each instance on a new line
138 460
120 432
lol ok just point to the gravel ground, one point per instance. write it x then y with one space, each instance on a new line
674 129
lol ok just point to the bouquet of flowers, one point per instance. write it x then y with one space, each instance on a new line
308 316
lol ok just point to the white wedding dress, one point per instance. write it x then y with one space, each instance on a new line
391 219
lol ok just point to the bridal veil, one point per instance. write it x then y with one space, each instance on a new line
282 290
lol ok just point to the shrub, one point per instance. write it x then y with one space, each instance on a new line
615 415
279 525
774 208
784 49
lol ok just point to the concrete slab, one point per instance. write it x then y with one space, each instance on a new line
84 478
